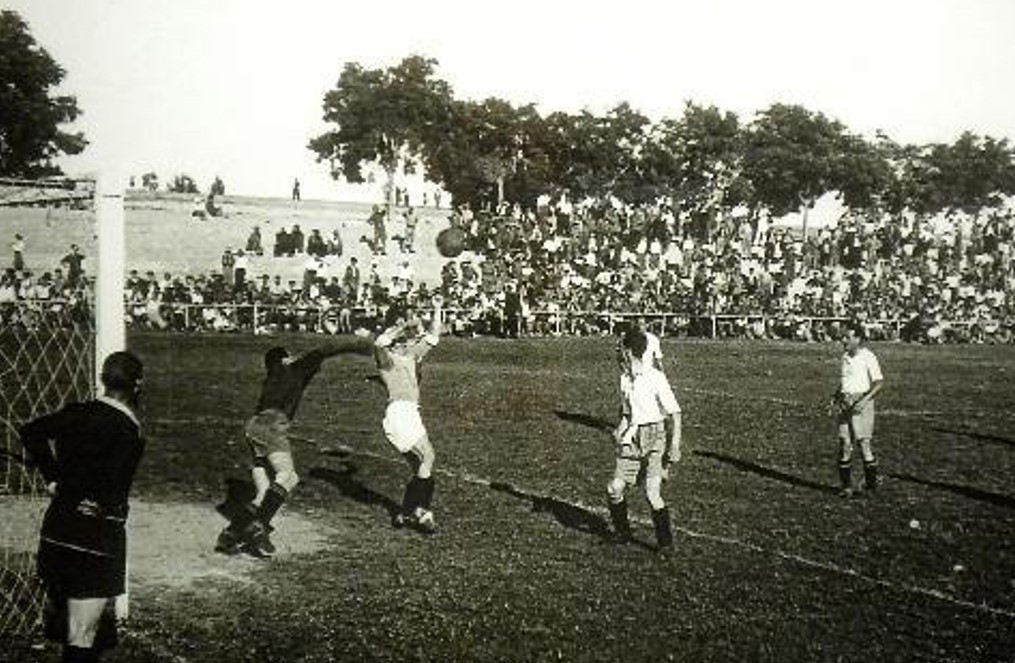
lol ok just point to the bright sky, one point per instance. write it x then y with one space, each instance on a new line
234 87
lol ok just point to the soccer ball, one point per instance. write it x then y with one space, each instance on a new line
451 242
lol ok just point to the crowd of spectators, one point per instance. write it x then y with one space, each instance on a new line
926 278
580 270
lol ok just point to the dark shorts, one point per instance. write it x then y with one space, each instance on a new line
68 573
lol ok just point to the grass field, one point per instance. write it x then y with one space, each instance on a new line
769 565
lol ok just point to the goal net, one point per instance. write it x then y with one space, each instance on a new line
48 354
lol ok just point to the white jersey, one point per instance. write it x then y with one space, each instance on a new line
859 371
647 397
653 350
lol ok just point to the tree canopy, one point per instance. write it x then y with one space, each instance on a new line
31 114
704 163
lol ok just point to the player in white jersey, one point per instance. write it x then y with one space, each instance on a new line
647 438
860 381
398 352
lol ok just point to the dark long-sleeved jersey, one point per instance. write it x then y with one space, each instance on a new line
284 385
92 451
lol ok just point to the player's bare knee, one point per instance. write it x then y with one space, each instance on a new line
653 492
615 490
427 457
287 479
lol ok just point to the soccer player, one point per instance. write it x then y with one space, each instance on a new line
267 433
398 352
860 381
647 438
88 454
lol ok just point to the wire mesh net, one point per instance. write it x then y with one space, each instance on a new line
47 355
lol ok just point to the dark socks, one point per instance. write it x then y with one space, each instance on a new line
845 474
272 502
618 516
870 474
664 531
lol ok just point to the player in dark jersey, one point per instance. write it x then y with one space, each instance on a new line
88 454
267 433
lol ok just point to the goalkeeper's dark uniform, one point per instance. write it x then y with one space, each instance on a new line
91 451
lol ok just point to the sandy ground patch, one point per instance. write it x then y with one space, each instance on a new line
171 544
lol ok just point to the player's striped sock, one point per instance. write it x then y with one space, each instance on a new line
272 502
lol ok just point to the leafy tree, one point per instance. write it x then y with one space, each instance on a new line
968 175
790 156
486 156
602 157
31 115
383 117
696 161
183 184
150 181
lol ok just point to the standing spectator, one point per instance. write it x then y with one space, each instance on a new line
228 265
88 454
351 280
18 247
380 232
72 261
310 268
296 189
240 267
647 438
860 381
411 221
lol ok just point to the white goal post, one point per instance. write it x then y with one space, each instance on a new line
110 327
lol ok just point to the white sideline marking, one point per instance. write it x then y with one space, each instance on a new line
731 541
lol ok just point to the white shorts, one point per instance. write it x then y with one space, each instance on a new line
402 425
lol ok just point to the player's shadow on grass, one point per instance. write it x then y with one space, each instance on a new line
958 489
981 437
597 423
571 516
767 472
342 478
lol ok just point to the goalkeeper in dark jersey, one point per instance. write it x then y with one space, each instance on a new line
88 454
267 433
